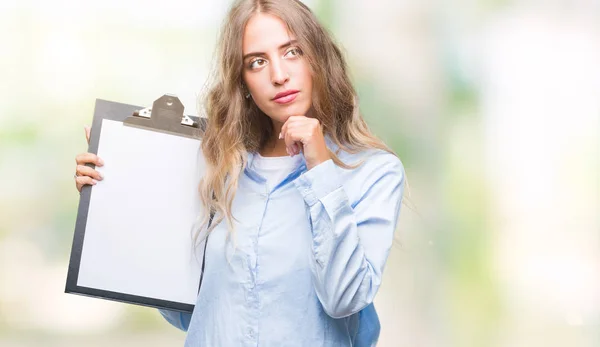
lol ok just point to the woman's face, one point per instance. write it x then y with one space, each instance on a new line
275 71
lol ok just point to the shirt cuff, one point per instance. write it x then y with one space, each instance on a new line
318 182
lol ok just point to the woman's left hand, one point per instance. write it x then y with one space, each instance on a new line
304 134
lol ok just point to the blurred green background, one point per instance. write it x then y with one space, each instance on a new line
493 106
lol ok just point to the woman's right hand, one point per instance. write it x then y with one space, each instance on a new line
85 174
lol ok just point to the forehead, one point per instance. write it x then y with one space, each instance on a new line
264 32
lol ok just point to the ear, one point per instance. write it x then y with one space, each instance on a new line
245 91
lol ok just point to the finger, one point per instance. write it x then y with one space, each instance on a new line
299 136
88 158
284 135
307 131
284 129
87 133
302 134
290 141
293 124
292 120
84 180
83 170
297 145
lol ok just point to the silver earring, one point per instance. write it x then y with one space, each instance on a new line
246 91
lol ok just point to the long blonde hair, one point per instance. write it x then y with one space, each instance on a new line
237 126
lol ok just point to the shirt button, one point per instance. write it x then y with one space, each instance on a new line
250 332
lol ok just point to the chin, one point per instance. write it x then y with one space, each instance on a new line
281 118
296 110
293 110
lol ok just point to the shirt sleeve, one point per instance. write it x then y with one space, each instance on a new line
351 242
177 319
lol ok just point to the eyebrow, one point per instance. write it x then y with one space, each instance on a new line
258 54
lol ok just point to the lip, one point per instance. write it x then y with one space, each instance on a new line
286 96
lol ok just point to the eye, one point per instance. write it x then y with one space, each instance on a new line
256 63
293 52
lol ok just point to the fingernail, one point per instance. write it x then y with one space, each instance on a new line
94 182
280 137
101 162
101 175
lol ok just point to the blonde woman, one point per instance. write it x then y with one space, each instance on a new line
305 198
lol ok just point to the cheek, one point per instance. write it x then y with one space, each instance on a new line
252 82
258 86
307 75
308 83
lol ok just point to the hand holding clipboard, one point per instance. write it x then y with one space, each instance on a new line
133 235
84 173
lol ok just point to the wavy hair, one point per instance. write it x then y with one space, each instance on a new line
237 126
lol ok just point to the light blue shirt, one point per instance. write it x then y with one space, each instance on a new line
308 261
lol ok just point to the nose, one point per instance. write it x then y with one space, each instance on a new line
279 74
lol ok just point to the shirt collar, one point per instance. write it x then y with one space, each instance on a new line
250 170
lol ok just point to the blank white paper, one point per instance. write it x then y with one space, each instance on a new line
138 237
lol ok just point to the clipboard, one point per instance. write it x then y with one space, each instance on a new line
133 239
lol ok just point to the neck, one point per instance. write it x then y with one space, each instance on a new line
275 147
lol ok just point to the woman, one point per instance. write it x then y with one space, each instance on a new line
305 198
